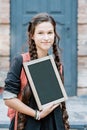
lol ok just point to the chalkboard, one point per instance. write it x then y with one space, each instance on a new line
45 81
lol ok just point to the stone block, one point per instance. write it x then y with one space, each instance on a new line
3 75
4 63
82 72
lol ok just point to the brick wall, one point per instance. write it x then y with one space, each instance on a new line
82 46
4 39
82 43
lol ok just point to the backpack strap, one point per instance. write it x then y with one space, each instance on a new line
23 78
61 69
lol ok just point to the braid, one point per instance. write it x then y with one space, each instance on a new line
33 51
26 93
56 58
65 116
63 106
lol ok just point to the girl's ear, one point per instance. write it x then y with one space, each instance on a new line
32 37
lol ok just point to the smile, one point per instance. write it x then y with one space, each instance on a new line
45 42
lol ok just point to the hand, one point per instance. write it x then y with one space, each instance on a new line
47 110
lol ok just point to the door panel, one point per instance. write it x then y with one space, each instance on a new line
64 12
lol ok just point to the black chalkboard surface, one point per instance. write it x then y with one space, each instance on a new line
45 81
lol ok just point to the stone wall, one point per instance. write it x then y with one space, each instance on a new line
82 43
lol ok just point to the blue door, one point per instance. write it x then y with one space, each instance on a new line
65 14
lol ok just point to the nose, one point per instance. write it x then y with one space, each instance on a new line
46 37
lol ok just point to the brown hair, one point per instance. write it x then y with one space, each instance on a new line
37 19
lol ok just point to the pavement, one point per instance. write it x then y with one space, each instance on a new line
4 120
76 108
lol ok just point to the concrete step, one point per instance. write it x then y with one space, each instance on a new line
77 110
4 129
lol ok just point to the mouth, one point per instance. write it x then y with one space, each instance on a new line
45 42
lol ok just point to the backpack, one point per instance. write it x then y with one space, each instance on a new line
26 57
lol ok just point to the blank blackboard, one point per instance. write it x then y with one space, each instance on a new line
45 81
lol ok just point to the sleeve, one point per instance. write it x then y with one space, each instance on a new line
12 82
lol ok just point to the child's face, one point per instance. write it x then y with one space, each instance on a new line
44 36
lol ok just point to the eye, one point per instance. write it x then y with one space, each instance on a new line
50 32
40 32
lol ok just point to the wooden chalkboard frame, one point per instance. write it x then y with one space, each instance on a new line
52 64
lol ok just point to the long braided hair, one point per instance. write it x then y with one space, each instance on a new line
39 18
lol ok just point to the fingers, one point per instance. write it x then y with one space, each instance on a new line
48 109
54 106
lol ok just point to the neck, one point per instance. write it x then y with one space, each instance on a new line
42 53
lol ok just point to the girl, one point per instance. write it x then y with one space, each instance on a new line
42 36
